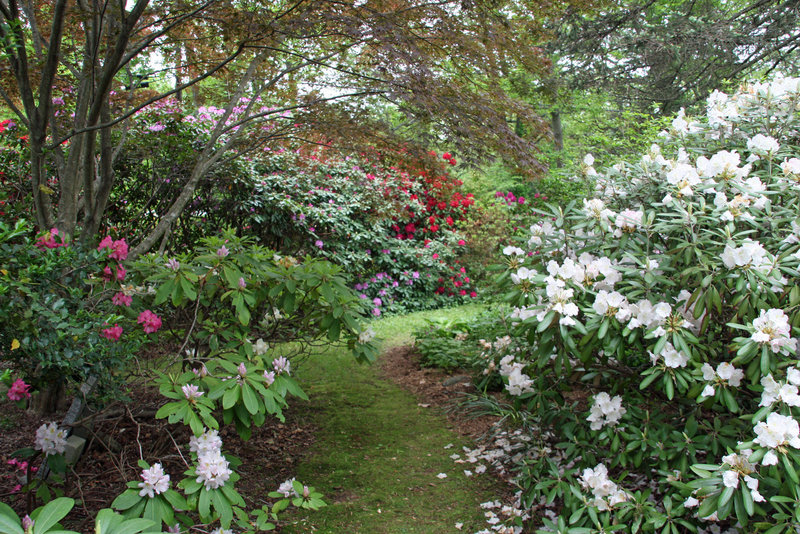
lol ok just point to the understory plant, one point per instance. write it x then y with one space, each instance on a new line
243 317
654 354
66 313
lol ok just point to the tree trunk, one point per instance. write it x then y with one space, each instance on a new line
49 399
558 135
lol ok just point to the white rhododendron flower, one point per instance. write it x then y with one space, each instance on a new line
672 357
207 442
750 253
560 301
612 304
772 328
723 165
684 177
287 489
212 470
518 382
606 493
523 273
50 439
778 392
365 336
778 431
791 168
596 209
763 145
628 221
605 410
154 481
539 231
260 347
725 375
645 314
513 251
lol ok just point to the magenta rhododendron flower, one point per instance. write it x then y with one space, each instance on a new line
121 272
150 321
19 390
119 248
121 299
48 240
112 333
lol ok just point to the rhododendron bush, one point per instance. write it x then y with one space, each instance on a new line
65 312
657 325
240 313
391 225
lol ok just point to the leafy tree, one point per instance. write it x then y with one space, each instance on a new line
672 53
301 64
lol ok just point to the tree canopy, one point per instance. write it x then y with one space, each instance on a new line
308 66
672 53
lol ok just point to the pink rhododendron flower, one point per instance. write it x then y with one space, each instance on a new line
119 248
121 299
49 240
121 272
19 390
150 321
112 333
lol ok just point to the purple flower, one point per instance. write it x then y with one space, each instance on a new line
377 302
376 312
281 365
318 243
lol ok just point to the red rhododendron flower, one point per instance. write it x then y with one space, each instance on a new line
112 333
150 321
473 294
446 155
462 242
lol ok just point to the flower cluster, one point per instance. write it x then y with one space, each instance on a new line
154 481
725 375
606 493
212 467
50 439
150 321
772 328
605 410
19 390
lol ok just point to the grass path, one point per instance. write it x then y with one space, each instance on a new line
378 454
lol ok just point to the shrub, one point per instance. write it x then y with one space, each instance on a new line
64 309
657 330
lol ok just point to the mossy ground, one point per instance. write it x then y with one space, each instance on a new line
378 453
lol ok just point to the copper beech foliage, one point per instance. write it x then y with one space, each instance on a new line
327 62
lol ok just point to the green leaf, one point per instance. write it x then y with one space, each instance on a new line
230 397
249 397
52 513
126 499
9 520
